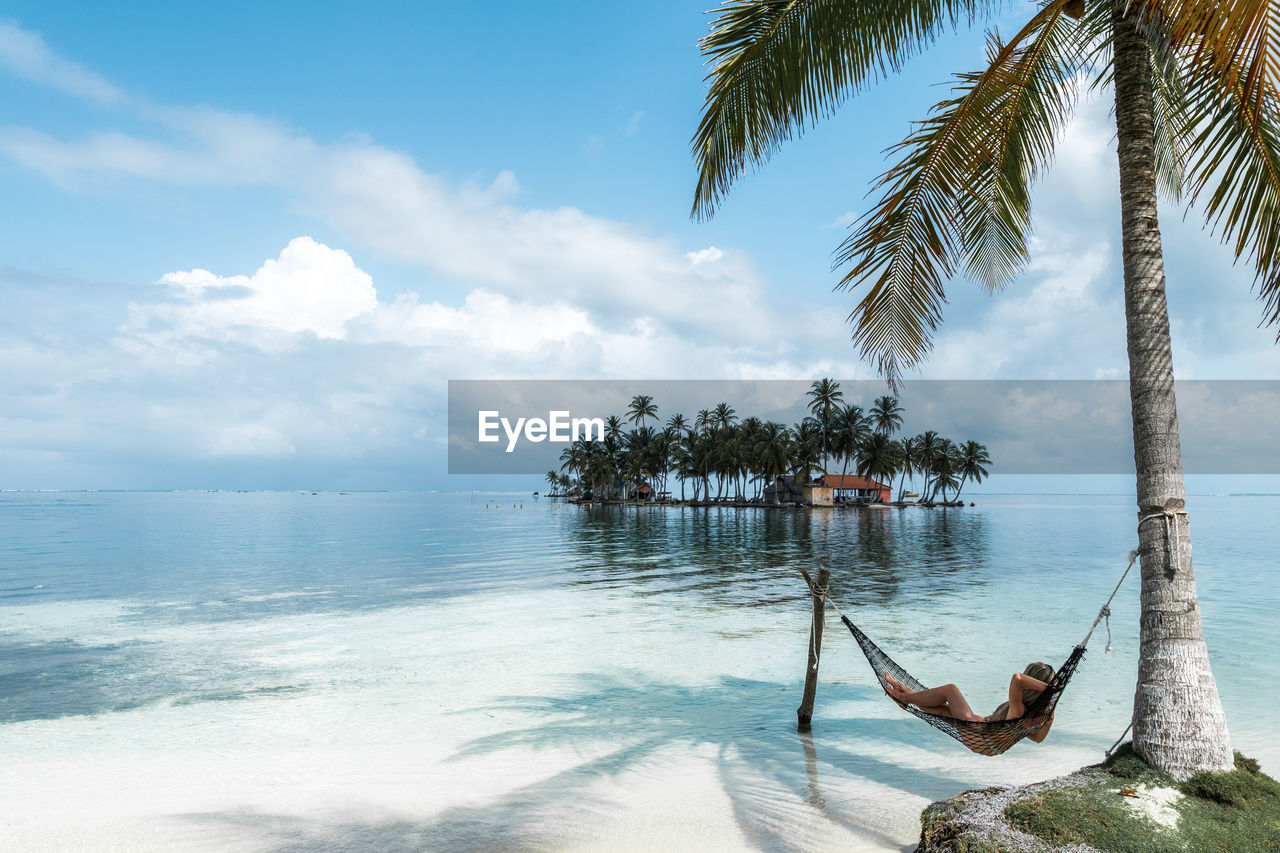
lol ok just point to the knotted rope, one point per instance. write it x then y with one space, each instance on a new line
1172 541
1173 544
820 592
1105 611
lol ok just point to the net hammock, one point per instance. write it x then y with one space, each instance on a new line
985 737
992 737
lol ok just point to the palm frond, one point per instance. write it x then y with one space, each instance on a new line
1237 177
1171 120
1229 54
959 192
1170 117
1038 88
779 66
1236 39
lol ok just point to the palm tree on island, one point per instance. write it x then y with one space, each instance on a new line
824 395
886 414
974 459
852 429
642 407
746 456
1196 89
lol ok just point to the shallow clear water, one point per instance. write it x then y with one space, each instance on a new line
406 671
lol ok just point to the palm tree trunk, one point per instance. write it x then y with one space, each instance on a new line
1178 723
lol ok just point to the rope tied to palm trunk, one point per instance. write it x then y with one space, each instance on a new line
1172 540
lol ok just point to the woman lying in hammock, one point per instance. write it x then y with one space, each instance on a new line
948 701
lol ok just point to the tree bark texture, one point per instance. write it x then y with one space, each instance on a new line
1178 723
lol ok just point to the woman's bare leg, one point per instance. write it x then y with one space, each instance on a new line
946 699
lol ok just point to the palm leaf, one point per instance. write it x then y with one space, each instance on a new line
1236 39
778 66
959 191
1039 92
1229 52
1171 121
1237 177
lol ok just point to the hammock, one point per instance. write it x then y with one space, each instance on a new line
987 737
991 737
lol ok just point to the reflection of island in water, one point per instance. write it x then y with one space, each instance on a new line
750 559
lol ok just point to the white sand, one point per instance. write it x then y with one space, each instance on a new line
565 720
1156 804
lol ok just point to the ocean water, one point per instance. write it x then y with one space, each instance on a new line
408 671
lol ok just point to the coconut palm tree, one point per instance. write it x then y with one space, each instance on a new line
909 452
946 465
928 444
573 459
851 430
1196 87
678 457
774 453
973 466
886 414
879 457
806 449
698 453
642 407
702 423
613 428
824 395
946 478
723 416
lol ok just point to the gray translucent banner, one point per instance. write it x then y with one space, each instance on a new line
1029 427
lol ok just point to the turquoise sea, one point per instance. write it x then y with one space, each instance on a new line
405 671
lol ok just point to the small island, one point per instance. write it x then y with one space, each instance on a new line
839 455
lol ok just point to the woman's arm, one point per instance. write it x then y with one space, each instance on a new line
1021 681
1039 736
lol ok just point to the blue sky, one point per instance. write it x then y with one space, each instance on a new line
247 244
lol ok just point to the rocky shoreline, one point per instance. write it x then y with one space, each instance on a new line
975 822
1121 806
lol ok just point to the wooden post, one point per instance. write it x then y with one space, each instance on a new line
805 711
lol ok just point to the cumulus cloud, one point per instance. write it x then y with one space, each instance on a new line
1063 318
312 292
309 288
381 200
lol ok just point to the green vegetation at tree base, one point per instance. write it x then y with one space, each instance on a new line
1228 812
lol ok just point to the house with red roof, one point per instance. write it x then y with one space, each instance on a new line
857 487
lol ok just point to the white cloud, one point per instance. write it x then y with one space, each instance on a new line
309 288
843 221
25 54
251 440
1064 316
301 359
312 292
381 200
